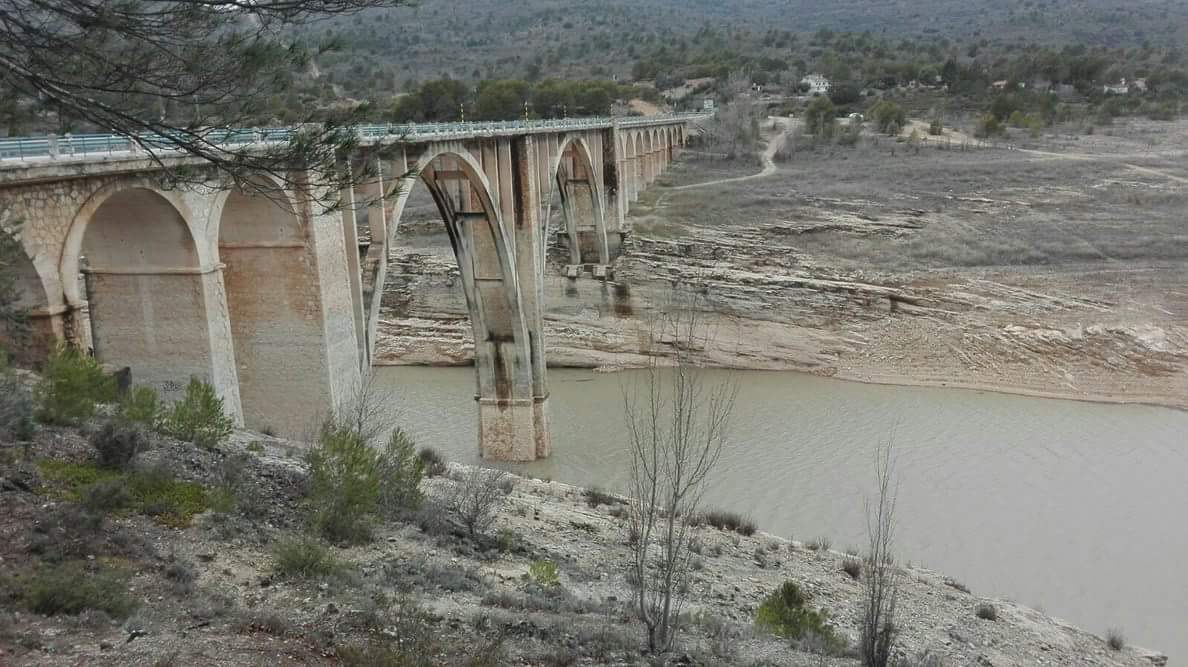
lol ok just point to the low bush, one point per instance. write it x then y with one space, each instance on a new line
852 567
154 492
507 540
434 462
344 480
986 612
785 613
477 498
118 443
1115 639
821 544
69 588
303 558
595 496
181 575
198 417
72 385
543 573
727 521
16 404
409 640
173 502
141 406
400 472
106 496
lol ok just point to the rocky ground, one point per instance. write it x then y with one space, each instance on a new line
1053 266
205 591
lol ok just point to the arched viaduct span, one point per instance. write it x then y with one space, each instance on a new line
269 297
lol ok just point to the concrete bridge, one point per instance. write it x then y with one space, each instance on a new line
272 298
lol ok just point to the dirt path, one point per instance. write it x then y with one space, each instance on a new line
1106 157
769 167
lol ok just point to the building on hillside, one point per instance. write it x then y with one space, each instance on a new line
817 84
1120 88
707 104
1139 85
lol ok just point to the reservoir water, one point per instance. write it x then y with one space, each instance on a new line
1078 509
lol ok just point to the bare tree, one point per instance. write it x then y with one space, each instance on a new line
478 496
170 74
677 422
734 125
880 589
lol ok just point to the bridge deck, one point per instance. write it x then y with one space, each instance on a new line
21 150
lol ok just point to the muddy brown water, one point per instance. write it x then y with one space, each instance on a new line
1077 509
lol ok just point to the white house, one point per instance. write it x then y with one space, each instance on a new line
1116 88
817 84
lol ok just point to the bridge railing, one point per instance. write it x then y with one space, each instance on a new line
74 145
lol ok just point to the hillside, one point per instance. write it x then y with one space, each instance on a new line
389 51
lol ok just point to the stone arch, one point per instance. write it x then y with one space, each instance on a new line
572 169
483 248
273 301
153 293
30 342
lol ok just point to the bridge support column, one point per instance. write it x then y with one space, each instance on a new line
350 236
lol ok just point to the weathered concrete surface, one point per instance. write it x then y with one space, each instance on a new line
266 292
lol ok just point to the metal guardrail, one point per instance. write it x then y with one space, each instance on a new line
73 145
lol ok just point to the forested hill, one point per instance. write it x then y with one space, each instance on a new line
487 39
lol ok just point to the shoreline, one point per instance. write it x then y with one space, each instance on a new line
893 380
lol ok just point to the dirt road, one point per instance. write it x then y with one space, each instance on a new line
769 167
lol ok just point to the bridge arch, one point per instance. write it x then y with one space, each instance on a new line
29 343
572 169
272 293
484 249
153 291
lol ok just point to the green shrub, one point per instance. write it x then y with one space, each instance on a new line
16 404
73 477
117 444
70 589
988 126
106 496
936 128
154 492
198 417
986 612
543 573
434 462
507 540
400 472
171 501
141 406
785 613
728 521
344 480
303 558
72 384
